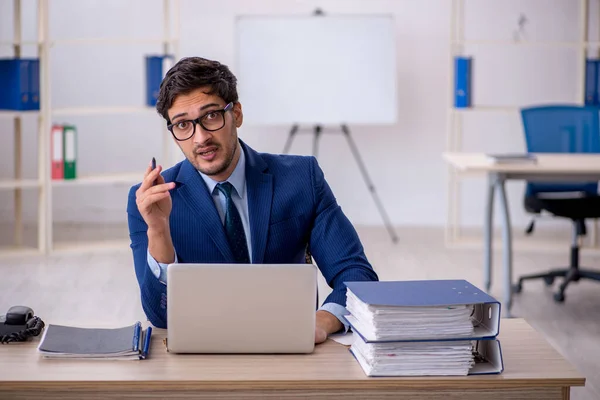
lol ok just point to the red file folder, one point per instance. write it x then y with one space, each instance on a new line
56 152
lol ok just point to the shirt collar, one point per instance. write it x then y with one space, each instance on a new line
237 177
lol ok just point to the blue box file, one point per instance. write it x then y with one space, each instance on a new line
156 68
462 82
19 80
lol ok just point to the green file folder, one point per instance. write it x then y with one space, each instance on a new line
70 151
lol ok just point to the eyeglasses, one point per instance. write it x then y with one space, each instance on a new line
211 121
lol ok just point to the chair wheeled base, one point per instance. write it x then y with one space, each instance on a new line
571 274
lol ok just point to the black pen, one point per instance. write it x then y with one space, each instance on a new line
153 168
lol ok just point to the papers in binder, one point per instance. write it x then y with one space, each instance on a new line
421 310
395 323
124 343
447 358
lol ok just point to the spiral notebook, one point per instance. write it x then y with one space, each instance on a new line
123 343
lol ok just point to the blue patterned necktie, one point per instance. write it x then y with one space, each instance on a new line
233 227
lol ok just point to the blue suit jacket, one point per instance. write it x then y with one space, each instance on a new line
290 206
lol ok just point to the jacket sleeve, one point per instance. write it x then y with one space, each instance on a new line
153 292
334 243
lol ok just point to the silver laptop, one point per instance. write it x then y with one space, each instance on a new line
241 308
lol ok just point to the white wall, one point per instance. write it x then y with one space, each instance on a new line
404 160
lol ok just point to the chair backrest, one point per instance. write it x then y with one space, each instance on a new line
562 129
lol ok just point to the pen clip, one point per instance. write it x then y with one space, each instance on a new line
146 345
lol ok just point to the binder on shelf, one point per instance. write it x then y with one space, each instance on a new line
591 82
19 79
70 151
56 152
156 69
439 310
462 81
69 342
34 84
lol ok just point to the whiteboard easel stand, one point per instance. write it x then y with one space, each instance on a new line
317 131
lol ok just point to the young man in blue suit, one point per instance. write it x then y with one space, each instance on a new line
228 203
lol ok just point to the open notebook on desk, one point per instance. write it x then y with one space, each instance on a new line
124 343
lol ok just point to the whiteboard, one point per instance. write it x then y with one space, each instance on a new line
316 69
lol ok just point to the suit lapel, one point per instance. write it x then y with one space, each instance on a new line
197 197
260 194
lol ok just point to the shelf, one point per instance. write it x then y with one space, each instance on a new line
576 48
474 109
23 43
106 179
102 110
111 41
163 37
525 43
499 109
19 183
84 41
18 251
15 113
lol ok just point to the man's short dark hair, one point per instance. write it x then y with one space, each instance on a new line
191 73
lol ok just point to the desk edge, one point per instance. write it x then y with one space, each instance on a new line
473 382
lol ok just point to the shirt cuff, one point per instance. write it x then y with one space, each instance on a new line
339 311
159 270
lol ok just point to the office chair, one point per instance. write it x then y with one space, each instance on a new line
563 129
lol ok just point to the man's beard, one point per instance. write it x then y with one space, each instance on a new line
214 169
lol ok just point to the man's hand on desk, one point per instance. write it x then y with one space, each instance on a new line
326 323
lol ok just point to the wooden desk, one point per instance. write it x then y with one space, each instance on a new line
549 167
533 370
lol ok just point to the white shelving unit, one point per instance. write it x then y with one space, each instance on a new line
44 185
454 134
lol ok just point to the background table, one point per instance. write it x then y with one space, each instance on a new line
549 167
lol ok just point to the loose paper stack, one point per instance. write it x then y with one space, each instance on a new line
417 328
